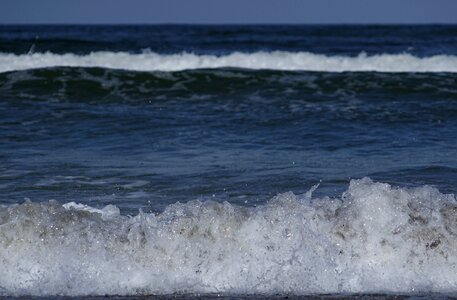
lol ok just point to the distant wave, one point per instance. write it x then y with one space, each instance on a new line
276 60
374 238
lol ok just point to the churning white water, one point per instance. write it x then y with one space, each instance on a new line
374 238
275 60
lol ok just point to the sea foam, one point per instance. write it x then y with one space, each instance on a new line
276 60
374 238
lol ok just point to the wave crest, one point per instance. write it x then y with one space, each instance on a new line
374 238
276 60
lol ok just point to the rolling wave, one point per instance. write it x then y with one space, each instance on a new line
374 238
276 60
107 85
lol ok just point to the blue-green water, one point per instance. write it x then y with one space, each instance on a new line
141 117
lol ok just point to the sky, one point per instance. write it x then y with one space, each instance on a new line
227 12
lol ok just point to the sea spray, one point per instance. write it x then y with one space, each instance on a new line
374 238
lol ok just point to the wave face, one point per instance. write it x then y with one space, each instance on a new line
98 85
373 238
275 60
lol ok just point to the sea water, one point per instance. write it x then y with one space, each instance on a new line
228 160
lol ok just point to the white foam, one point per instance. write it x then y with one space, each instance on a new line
109 211
276 60
374 238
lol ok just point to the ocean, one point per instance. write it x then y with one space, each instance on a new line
228 161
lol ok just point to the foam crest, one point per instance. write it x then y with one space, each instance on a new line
374 238
276 60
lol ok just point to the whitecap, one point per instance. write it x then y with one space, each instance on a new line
374 238
275 60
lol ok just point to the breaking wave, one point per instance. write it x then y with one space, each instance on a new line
374 238
276 60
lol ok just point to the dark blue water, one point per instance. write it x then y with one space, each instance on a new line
338 39
147 139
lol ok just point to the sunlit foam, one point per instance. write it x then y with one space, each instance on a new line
276 60
374 238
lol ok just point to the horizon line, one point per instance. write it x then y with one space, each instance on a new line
231 24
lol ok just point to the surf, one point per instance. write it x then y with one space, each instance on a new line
273 60
373 238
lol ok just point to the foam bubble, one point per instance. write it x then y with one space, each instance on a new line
374 238
276 60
